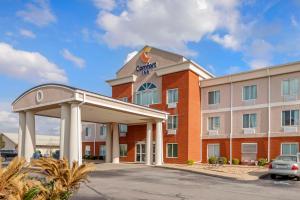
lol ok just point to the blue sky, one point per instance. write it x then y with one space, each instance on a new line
83 43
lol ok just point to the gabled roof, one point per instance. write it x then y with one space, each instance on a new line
41 140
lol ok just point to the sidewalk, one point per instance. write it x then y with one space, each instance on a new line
237 172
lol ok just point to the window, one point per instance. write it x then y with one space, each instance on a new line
214 97
102 150
125 99
249 151
147 94
103 131
88 132
249 92
290 87
172 122
172 150
213 150
249 120
172 96
123 130
213 123
123 150
289 148
87 150
290 117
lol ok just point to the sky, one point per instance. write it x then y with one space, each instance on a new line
82 43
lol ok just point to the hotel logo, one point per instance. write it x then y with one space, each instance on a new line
147 66
145 58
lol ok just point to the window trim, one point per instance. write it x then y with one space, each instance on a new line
208 129
249 143
152 90
212 144
85 147
243 93
167 96
249 120
167 151
296 125
297 143
219 98
289 79
172 130
126 150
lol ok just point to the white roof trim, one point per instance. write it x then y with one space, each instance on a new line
118 81
187 65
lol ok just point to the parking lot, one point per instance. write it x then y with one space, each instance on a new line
141 182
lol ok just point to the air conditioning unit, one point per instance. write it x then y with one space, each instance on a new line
249 131
249 102
290 129
213 132
290 97
171 131
172 105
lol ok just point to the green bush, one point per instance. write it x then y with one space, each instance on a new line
213 160
235 161
190 162
262 162
222 160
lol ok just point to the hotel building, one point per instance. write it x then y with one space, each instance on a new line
166 108
248 115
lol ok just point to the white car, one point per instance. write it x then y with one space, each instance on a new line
285 165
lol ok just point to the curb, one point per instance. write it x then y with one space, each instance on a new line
201 173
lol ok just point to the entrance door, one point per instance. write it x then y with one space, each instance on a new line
102 152
140 152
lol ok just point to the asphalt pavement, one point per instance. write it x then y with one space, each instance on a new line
141 183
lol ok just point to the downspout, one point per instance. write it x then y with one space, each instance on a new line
269 116
79 129
95 140
231 121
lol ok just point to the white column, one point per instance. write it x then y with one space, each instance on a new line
116 145
159 144
21 137
29 146
108 143
149 144
75 134
65 131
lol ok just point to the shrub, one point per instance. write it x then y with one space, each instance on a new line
190 162
222 160
262 162
213 160
235 161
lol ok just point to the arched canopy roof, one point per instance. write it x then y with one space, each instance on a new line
46 100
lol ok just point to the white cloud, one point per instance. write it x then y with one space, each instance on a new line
79 62
294 21
31 66
233 70
27 33
168 24
259 54
130 56
105 4
38 12
227 41
8 121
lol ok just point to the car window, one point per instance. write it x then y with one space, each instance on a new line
287 158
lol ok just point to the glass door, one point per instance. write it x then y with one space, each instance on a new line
140 152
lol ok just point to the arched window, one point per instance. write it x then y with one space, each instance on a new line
146 94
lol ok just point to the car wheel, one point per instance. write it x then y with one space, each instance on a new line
273 176
297 178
